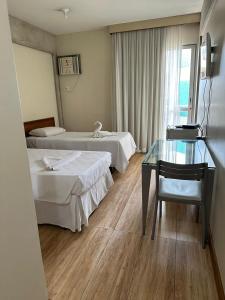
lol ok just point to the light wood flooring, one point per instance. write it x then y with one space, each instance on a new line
111 260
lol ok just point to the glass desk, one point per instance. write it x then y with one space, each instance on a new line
180 152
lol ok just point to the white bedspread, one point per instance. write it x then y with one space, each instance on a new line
121 145
72 179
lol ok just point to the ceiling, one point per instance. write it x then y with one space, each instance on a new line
94 14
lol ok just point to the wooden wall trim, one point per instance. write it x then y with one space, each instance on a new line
154 23
216 270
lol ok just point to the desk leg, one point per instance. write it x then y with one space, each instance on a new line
209 199
146 178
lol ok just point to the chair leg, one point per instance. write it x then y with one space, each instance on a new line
154 218
160 209
203 215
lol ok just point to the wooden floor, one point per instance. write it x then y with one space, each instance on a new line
111 260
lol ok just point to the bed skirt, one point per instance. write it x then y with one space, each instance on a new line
75 213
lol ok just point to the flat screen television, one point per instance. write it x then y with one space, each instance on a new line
205 57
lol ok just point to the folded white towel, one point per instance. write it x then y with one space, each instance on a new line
102 134
98 125
56 163
98 133
107 133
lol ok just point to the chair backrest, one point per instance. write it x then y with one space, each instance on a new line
178 171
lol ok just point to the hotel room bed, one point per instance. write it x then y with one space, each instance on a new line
68 196
121 144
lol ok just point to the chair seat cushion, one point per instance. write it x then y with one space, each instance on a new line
180 189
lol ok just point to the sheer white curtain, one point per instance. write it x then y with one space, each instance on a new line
171 57
137 59
146 68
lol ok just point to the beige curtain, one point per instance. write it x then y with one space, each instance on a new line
171 60
146 68
137 64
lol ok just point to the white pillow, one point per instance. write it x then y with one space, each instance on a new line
46 131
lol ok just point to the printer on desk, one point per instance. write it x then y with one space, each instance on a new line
183 132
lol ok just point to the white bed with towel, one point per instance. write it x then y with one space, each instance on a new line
120 144
68 185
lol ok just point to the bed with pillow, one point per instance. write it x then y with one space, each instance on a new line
44 135
68 185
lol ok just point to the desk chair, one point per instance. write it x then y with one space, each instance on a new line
182 184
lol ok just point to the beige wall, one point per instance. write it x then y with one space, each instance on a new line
89 95
22 276
35 77
190 33
215 24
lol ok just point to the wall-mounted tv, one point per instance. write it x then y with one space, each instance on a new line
205 57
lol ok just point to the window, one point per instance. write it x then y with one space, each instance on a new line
186 83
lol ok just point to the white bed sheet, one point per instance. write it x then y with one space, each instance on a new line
75 178
121 145
76 213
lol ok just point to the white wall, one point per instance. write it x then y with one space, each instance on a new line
21 275
90 98
35 77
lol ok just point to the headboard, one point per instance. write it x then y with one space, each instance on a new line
48 122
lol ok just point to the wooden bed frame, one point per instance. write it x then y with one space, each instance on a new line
47 122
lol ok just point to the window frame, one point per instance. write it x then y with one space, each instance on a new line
190 107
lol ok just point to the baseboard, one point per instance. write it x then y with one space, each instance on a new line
216 270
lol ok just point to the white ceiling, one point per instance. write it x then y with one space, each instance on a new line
94 14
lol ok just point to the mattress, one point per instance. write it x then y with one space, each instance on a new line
75 178
121 145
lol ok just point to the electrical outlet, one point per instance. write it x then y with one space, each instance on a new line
68 88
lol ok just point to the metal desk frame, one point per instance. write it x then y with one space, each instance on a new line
146 180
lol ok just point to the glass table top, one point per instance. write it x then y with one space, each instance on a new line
180 152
